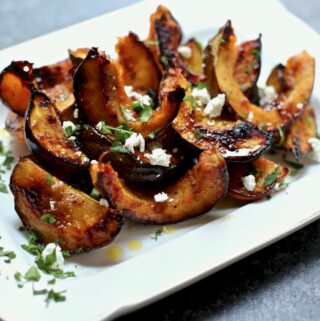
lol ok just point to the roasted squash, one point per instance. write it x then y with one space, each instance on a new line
267 174
77 56
138 67
14 86
236 140
296 139
98 91
191 195
46 139
221 56
80 222
247 67
195 62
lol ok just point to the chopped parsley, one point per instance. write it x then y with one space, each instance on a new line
3 187
49 179
55 296
143 110
201 85
118 148
198 134
9 159
153 135
71 130
255 52
9 255
165 61
282 137
95 194
191 100
1 148
33 274
157 233
272 177
47 217
120 133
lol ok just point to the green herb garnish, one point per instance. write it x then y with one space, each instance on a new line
49 179
95 194
47 217
191 100
55 296
201 85
33 274
121 133
157 233
294 165
9 255
3 187
165 61
282 137
255 52
153 135
118 148
198 134
9 159
272 177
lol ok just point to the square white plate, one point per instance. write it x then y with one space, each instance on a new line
105 288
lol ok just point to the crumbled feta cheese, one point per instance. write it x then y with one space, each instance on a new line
315 145
72 138
67 124
300 105
76 113
131 93
49 249
250 116
249 182
135 140
214 106
93 162
201 96
103 202
267 95
185 52
159 157
161 197
52 205
129 115
146 100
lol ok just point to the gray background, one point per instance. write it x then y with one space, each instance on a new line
280 282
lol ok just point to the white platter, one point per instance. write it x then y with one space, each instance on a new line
105 288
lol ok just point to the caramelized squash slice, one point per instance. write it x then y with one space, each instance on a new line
305 127
267 175
138 67
100 95
191 195
221 56
236 140
77 56
46 139
299 133
14 86
247 67
15 126
54 80
98 91
194 63
79 220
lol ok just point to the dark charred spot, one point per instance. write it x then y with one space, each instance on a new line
227 32
51 119
242 131
177 95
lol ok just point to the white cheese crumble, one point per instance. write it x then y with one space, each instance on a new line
52 205
49 249
250 116
72 138
93 162
135 140
300 105
103 202
76 113
67 124
185 52
214 106
161 197
267 95
249 182
315 145
129 115
159 157
143 99
201 96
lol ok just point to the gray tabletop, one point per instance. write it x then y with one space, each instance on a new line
280 282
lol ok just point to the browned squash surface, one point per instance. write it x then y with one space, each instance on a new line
46 139
137 64
261 168
194 64
222 53
191 195
236 140
80 221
